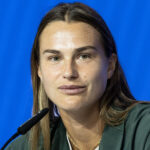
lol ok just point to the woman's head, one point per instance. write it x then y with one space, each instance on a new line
74 14
73 67
60 27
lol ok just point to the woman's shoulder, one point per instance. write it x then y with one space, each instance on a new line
137 127
138 112
21 143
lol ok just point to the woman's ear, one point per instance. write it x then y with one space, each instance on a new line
39 73
111 65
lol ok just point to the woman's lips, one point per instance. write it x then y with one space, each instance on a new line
72 89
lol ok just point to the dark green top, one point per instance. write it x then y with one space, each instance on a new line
132 134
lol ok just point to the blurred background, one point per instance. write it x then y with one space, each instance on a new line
128 20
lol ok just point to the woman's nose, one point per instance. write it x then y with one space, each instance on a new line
70 71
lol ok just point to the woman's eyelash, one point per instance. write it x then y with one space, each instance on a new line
53 58
80 56
85 55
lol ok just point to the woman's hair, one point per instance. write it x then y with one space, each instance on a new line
117 99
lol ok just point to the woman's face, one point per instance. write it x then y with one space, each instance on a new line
73 67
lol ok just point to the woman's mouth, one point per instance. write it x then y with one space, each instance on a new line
72 89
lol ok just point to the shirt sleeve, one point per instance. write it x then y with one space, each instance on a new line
143 132
137 129
147 145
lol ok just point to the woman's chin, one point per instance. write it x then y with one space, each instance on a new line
70 107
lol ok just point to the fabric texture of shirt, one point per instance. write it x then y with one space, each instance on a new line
132 134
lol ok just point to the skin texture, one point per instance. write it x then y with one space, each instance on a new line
62 62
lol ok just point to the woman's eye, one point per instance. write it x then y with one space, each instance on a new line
84 56
53 58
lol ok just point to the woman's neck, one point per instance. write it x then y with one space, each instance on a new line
85 127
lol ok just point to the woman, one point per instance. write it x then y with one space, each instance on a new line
76 73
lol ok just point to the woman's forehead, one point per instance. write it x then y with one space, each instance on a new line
63 34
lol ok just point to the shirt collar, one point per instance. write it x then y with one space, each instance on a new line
111 139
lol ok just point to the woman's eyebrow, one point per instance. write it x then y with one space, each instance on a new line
80 49
51 51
